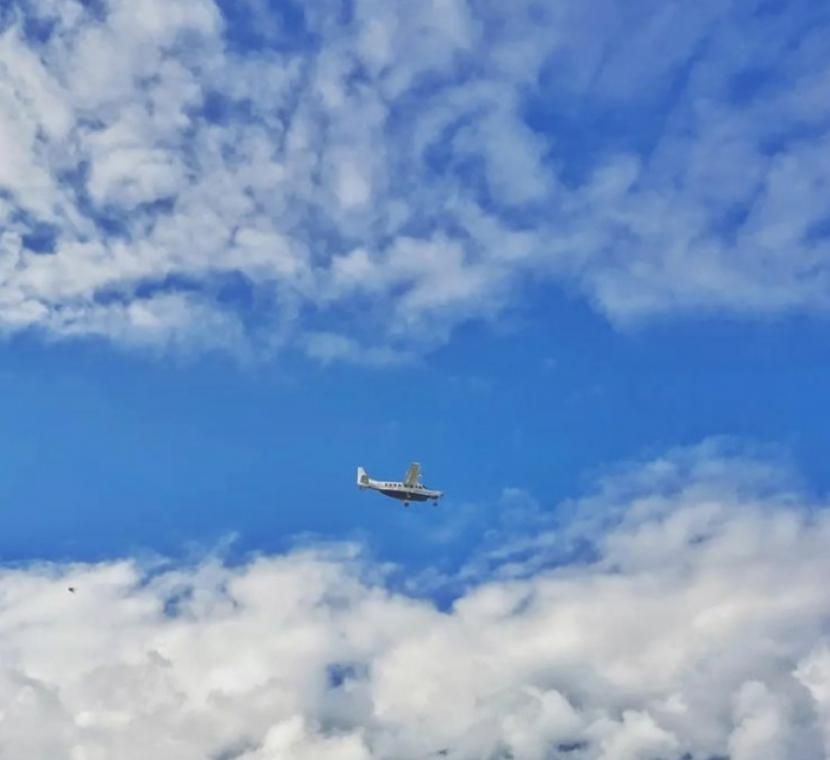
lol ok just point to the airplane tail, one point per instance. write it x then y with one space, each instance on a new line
362 477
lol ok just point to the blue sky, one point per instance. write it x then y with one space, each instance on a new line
528 303
158 454
572 257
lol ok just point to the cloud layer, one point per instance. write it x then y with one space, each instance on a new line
697 627
180 173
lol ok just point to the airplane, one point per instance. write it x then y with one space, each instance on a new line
410 489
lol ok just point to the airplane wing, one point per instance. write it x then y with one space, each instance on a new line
413 474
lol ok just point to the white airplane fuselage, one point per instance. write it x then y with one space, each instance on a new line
396 489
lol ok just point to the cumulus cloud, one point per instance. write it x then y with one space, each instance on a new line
409 165
696 627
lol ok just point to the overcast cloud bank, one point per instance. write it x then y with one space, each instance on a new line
699 629
176 175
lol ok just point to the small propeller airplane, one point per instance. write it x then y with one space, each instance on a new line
410 489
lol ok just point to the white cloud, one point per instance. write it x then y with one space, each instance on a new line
328 347
655 162
699 628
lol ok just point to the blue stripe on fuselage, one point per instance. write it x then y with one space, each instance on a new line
405 495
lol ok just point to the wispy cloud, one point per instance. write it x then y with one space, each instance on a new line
699 628
408 165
